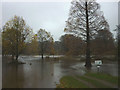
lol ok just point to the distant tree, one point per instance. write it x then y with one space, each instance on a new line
63 46
118 40
52 49
103 43
85 20
42 37
71 45
14 35
49 47
57 47
117 30
32 47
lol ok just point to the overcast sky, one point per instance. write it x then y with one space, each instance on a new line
51 16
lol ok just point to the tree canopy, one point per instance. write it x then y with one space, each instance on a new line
76 22
42 37
15 33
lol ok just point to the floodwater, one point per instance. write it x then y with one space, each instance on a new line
45 74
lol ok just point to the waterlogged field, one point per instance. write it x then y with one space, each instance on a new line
51 71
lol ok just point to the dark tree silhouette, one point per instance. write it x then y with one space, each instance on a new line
85 20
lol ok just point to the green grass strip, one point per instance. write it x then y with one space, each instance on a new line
70 82
105 77
95 83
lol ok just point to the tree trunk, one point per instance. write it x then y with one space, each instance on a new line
16 57
42 56
17 46
88 62
42 50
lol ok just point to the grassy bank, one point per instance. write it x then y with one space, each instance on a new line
106 77
70 82
107 81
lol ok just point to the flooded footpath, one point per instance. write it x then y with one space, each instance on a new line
46 74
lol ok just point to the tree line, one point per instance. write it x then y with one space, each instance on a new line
25 42
18 38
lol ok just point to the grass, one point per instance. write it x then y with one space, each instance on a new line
71 82
106 77
95 83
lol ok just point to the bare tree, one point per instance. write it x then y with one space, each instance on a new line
85 20
42 37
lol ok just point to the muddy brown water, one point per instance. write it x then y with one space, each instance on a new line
45 74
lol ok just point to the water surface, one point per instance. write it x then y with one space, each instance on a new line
45 74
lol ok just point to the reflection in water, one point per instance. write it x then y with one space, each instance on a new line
45 74
12 74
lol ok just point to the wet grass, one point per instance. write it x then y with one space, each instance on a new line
102 76
71 82
95 83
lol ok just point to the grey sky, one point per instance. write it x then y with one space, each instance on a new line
51 16
119 13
